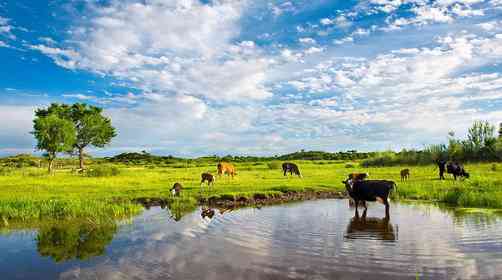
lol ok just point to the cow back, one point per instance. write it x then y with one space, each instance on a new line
370 189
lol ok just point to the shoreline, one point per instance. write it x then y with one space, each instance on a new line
258 199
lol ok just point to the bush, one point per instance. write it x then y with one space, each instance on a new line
4 171
494 167
349 165
103 171
274 165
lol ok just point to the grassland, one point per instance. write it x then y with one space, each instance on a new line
31 194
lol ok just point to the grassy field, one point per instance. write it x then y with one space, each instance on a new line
30 193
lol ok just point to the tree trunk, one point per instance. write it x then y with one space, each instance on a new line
81 157
51 160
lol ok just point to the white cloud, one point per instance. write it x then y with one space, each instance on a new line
173 47
307 40
327 21
6 28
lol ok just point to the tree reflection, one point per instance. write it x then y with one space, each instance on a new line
64 242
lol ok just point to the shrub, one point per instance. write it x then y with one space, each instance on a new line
349 165
274 165
4 171
103 171
494 167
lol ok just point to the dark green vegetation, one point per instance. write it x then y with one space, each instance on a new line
480 145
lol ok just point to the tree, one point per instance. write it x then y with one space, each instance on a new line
92 128
54 135
500 130
481 138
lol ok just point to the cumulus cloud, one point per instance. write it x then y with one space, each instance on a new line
414 89
174 47
202 84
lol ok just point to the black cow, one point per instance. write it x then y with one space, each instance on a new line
441 166
370 190
291 168
457 170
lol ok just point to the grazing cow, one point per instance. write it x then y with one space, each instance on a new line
442 167
370 190
457 170
358 176
226 168
176 189
405 174
210 178
291 168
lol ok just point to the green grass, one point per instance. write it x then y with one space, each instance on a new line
30 194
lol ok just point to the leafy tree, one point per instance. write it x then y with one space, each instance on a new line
92 128
500 130
54 135
481 139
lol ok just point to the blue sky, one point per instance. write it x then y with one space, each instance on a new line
193 77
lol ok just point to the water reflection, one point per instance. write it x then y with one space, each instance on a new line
309 240
67 241
371 228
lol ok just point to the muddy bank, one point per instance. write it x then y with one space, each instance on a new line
229 201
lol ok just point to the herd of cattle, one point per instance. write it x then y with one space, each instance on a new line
358 187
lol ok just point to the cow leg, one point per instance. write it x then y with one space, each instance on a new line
357 204
387 206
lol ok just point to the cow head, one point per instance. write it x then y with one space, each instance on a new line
349 184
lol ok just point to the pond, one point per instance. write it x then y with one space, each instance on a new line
309 240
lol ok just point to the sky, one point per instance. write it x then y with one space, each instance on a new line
254 77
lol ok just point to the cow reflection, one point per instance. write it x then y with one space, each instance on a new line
207 213
371 228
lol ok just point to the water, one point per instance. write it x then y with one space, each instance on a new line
309 240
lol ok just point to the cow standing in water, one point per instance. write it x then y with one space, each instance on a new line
370 190
291 168
226 168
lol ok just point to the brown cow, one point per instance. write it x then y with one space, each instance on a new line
226 168
405 174
358 176
210 178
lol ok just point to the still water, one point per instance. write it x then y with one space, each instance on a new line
310 240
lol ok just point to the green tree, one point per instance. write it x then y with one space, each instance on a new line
92 128
481 138
54 135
